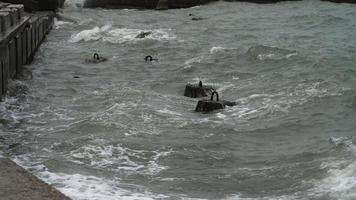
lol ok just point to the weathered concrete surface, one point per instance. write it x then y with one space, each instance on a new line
38 4
197 91
208 105
18 184
21 36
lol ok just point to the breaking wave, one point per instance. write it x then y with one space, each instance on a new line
108 34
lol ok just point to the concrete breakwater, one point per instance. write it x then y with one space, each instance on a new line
144 4
171 4
20 37
31 5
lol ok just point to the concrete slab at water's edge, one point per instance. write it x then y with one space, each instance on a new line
16 183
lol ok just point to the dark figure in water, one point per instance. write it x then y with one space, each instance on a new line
150 58
195 18
97 59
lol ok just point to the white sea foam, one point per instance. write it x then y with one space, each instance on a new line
284 197
265 56
91 34
188 63
166 111
216 49
119 158
120 35
59 24
343 142
340 183
10 110
81 187
257 105
74 3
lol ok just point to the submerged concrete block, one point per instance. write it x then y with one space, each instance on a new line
5 20
12 58
198 90
208 105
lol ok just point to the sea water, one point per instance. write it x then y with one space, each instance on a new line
122 129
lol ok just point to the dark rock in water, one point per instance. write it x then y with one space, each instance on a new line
143 34
76 76
208 105
11 146
197 18
197 91
96 59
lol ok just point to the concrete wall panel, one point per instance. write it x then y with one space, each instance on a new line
18 53
12 58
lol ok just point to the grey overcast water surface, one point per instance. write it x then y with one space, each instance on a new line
124 130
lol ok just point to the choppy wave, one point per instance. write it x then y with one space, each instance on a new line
84 187
123 129
59 24
262 52
118 158
122 35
